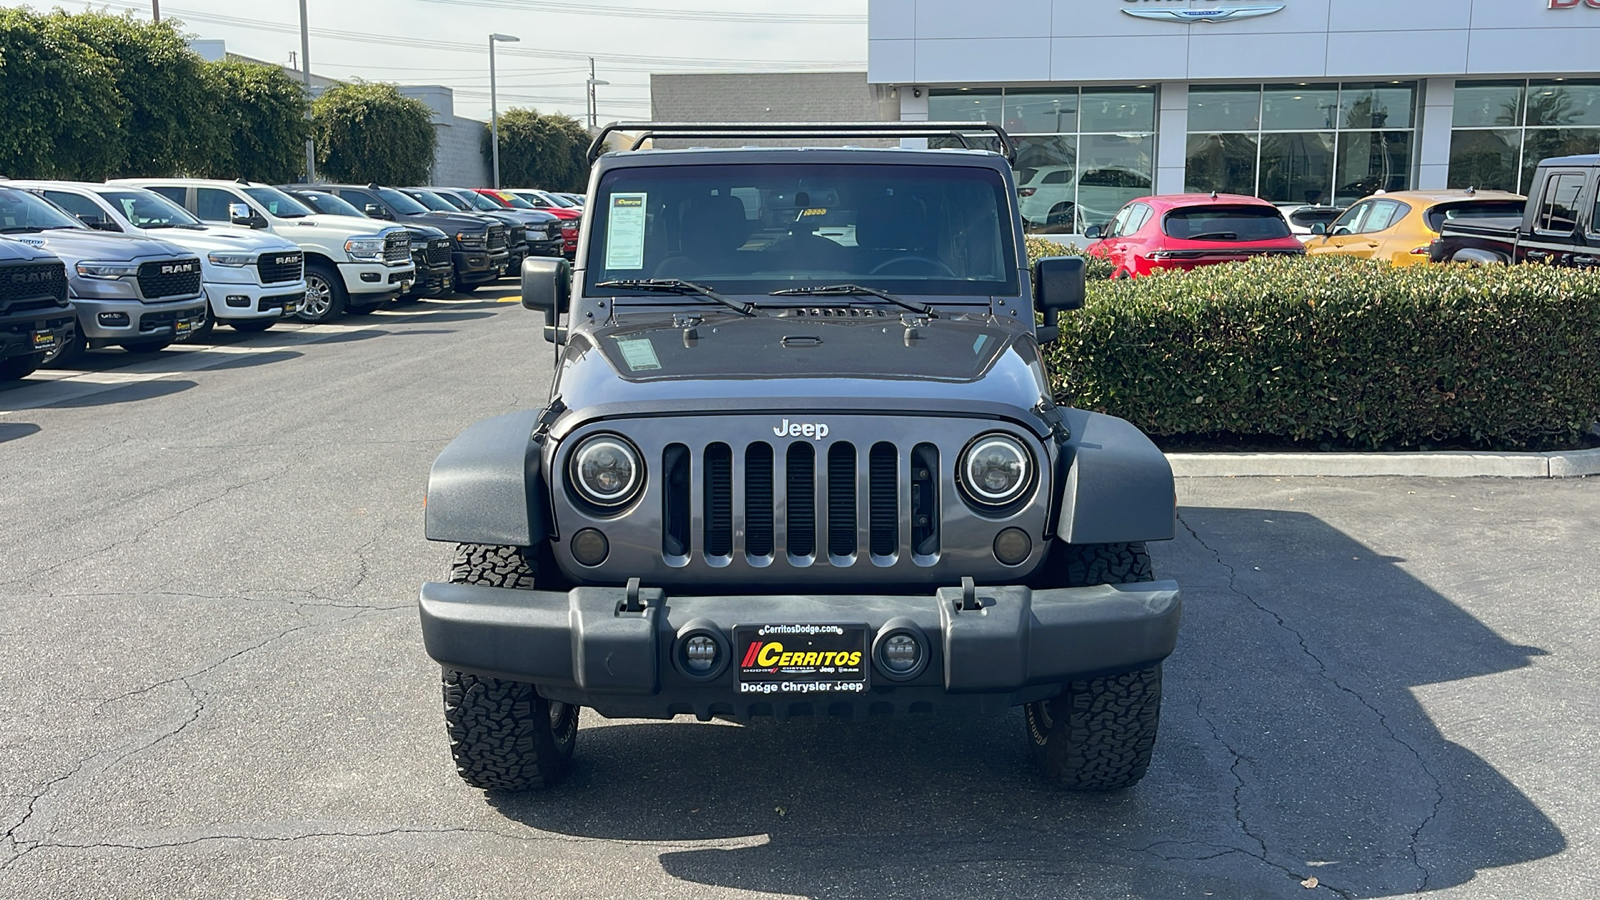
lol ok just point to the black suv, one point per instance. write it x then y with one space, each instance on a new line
476 255
801 457
36 319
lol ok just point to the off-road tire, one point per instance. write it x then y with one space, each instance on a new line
19 367
1099 733
503 735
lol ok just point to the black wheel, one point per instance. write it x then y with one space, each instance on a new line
253 326
1099 733
19 367
503 735
155 346
69 352
206 326
1062 214
326 297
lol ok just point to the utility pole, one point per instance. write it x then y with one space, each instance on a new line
494 108
594 103
155 10
305 77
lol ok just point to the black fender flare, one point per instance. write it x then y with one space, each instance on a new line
486 486
1117 486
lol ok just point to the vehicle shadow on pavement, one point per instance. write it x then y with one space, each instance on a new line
13 431
1291 747
140 390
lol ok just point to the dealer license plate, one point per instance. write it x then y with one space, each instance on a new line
801 659
44 340
182 329
290 307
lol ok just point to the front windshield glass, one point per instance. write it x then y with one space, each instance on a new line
433 201
514 201
754 229
22 212
558 200
403 204
277 202
147 209
332 204
479 201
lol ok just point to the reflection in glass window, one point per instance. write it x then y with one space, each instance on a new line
1544 143
1564 103
1504 128
1225 109
1488 104
1225 163
1376 105
1051 112
964 106
1299 107
1371 161
1118 111
1296 167
1485 159
1046 182
1558 210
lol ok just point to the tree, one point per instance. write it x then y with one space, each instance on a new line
62 116
367 132
169 129
541 150
259 117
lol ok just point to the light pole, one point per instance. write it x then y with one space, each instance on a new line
594 109
305 77
494 107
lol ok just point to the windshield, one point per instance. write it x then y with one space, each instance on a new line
513 201
432 201
402 204
557 200
759 228
331 204
1473 209
147 209
22 212
477 200
455 202
1226 223
277 202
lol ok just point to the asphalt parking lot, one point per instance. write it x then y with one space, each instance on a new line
212 682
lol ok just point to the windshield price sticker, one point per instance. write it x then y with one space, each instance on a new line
801 659
625 232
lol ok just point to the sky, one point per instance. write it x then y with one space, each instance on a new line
446 42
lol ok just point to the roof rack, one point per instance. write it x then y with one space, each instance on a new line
957 130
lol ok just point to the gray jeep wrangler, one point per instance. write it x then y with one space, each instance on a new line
801 457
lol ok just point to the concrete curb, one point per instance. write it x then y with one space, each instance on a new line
1565 464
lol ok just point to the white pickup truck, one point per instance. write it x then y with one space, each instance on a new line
349 262
251 279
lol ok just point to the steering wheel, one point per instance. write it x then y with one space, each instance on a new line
937 267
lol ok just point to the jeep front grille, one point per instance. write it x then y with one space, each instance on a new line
397 247
276 268
33 286
169 278
806 524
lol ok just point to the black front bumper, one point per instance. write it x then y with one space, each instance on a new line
433 280
478 266
585 647
550 248
37 332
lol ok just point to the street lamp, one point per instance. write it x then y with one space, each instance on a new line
594 109
494 108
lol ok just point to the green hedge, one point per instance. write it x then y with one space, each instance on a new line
1095 268
1344 352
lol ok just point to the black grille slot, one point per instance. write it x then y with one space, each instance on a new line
439 251
719 500
497 237
169 278
279 267
883 498
397 247
758 528
38 285
925 499
675 500
842 500
802 500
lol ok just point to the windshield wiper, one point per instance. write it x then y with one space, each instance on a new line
675 286
1214 236
849 290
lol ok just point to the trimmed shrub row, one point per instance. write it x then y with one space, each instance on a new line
1347 352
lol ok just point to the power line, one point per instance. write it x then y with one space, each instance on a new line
689 15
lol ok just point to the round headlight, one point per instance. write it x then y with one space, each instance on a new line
606 470
995 469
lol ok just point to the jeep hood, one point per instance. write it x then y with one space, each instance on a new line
779 359
81 243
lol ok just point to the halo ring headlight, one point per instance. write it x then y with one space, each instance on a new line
996 469
606 470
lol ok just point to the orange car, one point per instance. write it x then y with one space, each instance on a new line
1398 226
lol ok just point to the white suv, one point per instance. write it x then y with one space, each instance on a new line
349 262
251 279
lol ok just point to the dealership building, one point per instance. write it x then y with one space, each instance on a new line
1295 101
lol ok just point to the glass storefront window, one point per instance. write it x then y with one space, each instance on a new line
1225 163
964 106
1376 105
1118 111
1488 104
1225 109
1296 167
1543 143
1047 173
1485 159
1564 103
1050 112
1299 107
1371 161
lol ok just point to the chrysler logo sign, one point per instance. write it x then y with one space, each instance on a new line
1208 14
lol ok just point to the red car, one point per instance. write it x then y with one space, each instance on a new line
571 219
1186 231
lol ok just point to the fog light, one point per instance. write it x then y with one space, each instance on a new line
700 654
114 320
1012 546
901 654
590 547
370 277
237 300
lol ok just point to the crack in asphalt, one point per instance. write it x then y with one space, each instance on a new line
1322 671
105 760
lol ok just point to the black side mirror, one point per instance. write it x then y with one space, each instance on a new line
242 214
547 287
99 223
1094 232
376 211
1321 228
1058 286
